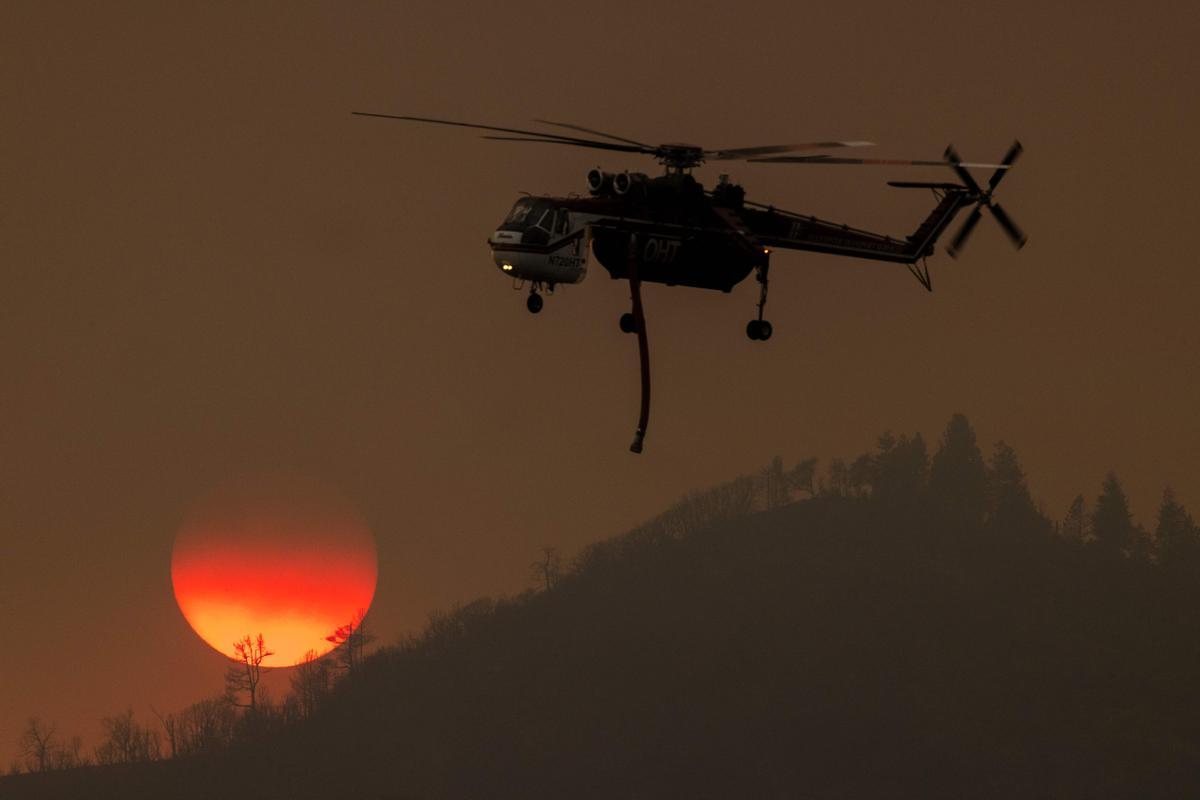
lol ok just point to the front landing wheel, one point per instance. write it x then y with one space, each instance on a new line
534 303
759 330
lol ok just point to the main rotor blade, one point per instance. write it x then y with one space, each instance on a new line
964 233
944 187
623 148
1016 234
1009 158
569 126
891 162
957 164
539 134
730 153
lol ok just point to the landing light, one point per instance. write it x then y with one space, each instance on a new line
506 267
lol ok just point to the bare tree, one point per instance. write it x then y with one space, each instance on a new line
774 483
42 749
838 482
310 684
245 675
205 727
127 742
802 477
71 755
350 641
548 568
38 745
170 726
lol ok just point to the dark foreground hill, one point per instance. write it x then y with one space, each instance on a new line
829 648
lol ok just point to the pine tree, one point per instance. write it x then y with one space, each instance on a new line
1010 506
957 476
861 475
901 471
1176 534
1075 523
1113 530
1142 547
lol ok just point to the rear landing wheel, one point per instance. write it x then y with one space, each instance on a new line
759 330
534 303
628 323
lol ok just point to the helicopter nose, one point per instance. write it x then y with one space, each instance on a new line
500 254
506 237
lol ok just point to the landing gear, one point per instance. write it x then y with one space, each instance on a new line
628 323
759 330
534 302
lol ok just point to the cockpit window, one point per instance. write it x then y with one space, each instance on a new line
520 213
528 212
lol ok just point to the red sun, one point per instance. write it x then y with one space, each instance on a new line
290 560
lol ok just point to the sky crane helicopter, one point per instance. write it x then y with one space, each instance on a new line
670 229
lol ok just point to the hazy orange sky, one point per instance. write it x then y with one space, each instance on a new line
209 267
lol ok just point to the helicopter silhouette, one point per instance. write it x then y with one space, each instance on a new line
669 229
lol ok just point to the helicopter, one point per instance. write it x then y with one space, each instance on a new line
670 229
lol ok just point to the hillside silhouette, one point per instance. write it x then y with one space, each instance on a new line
898 625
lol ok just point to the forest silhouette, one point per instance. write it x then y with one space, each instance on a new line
903 623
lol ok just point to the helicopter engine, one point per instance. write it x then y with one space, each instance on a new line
624 182
599 182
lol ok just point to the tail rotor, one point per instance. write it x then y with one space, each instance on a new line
983 199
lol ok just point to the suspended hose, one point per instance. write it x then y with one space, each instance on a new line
635 289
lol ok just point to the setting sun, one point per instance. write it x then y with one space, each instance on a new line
290 561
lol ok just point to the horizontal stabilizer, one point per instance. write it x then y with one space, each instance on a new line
945 187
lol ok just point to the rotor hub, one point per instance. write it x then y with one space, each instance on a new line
679 156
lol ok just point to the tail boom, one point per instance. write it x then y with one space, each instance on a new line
781 229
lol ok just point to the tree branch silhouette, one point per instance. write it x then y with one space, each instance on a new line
246 675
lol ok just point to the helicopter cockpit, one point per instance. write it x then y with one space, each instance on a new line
537 219
534 243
